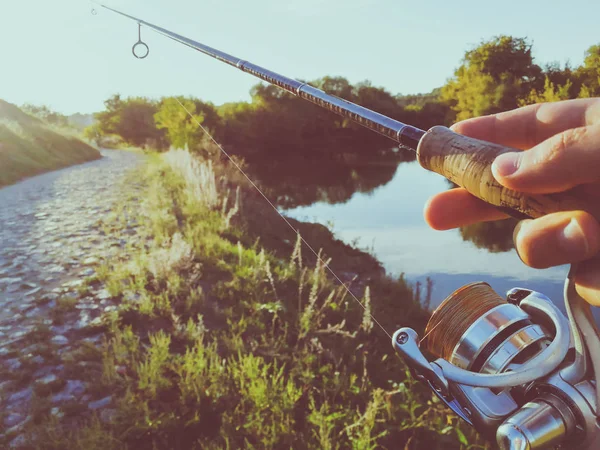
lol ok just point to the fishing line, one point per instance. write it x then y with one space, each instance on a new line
430 331
284 218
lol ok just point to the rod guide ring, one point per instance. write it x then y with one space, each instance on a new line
140 45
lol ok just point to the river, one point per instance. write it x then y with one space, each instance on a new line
389 222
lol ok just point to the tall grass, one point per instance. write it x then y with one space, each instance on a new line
220 343
199 176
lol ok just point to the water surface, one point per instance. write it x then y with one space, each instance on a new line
389 220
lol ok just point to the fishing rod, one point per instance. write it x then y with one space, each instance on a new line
464 161
514 368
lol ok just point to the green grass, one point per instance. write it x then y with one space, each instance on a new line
29 147
230 334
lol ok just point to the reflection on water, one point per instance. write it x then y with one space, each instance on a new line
296 180
389 220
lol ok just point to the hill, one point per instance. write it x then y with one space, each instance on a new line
29 146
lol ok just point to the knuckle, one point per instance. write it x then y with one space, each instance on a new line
560 149
565 141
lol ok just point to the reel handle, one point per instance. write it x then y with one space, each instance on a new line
467 162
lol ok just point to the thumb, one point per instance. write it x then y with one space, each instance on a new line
559 163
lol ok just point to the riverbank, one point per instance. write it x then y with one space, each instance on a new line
51 235
29 147
225 332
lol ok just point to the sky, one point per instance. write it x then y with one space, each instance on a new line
57 53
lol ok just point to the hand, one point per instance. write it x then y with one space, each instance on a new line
563 151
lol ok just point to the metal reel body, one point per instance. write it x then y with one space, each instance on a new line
506 377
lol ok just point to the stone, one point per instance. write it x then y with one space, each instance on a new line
19 334
90 261
62 398
10 280
72 284
59 340
20 396
107 416
18 442
13 419
97 322
102 403
56 269
87 305
48 379
87 272
59 329
83 322
13 364
37 359
13 288
32 292
103 294
56 412
75 387
42 372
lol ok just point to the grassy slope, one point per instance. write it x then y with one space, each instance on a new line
229 335
29 147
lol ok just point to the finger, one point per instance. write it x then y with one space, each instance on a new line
565 160
528 126
558 238
456 208
587 281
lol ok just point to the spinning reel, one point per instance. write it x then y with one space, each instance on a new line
516 369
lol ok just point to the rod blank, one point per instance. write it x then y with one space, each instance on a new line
405 135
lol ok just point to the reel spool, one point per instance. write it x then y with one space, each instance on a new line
503 366
477 330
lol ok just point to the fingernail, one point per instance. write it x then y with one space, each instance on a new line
506 164
573 240
519 228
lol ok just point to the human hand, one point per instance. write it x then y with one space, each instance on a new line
562 140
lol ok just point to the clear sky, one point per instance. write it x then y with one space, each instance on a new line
55 52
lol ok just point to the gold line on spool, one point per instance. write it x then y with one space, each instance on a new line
456 314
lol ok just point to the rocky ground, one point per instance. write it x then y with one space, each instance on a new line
52 238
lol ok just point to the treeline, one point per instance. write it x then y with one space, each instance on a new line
75 122
499 74
272 119
302 153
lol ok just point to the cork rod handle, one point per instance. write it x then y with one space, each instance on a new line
467 162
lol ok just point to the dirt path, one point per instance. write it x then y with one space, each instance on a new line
51 233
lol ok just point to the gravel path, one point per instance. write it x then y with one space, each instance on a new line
51 234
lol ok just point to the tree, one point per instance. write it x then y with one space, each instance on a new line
589 73
182 130
47 115
132 120
93 133
492 78
551 93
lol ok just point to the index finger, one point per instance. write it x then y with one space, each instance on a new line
528 126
